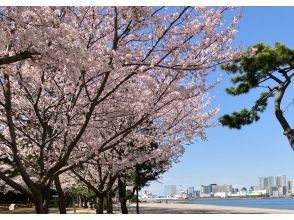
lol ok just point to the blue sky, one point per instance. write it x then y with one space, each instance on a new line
239 157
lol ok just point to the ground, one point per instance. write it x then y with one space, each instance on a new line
160 208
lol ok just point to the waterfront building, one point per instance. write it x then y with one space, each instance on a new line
274 188
213 188
221 194
243 192
281 181
244 189
275 192
197 193
170 190
258 193
235 190
224 188
190 192
204 195
289 186
282 190
266 183
205 189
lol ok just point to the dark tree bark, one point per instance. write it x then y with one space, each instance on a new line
85 202
288 131
109 202
29 203
122 195
101 191
42 201
99 206
61 197
137 179
137 200
79 201
17 57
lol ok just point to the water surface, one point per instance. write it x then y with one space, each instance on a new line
269 203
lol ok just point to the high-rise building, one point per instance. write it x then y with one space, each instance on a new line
224 188
197 193
289 185
262 182
266 183
281 181
292 185
205 189
213 188
282 190
190 192
170 190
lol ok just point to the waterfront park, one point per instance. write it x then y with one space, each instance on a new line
99 103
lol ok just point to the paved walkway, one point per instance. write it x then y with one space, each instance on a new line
161 208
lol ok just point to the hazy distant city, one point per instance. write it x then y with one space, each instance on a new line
268 186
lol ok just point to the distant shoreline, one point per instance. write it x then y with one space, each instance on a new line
184 208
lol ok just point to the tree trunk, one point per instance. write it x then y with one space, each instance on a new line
78 200
39 208
42 201
137 179
122 196
73 204
85 202
61 197
137 200
109 202
288 131
99 206
29 203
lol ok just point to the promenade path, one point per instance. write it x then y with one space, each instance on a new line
162 208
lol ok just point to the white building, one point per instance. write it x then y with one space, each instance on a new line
204 195
275 193
221 194
258 192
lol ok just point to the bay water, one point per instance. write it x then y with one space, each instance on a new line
270 203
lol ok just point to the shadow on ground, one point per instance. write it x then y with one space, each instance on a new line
132 210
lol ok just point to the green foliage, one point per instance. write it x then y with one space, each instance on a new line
246 117
81 190
258 65
150 170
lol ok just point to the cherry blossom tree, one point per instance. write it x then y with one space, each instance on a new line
100 174
66 70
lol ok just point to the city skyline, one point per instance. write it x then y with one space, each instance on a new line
182 187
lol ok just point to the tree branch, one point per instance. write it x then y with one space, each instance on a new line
17 57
